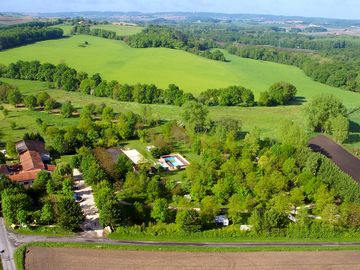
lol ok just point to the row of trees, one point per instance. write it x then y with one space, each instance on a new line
64 77
82 29
18 36
10 94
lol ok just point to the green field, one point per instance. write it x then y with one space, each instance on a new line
115 60
121 30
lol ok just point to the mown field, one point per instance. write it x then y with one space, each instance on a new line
115 60
121 30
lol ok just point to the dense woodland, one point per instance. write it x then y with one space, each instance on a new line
28 33
280 187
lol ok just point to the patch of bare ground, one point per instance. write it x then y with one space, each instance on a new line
40 258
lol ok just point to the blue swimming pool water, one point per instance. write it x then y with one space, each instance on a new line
174 161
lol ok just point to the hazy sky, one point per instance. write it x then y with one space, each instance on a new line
347 9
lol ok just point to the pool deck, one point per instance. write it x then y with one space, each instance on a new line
168 165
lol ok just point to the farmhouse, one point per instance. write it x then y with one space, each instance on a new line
33 159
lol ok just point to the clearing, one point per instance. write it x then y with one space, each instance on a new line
75 259
114 60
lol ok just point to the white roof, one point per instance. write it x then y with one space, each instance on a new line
134 156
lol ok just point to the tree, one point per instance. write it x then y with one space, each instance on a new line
15 204
41 180
30 102
14 97
41 98
96 78
47 214
209 209
339 128
292 134
11 149
87 86
49 105
322 109
188 220
67 109
255 221
67 187
2 158
111 214
160 211
70 214
274 219
195 116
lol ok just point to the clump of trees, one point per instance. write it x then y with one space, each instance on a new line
85 29
326 113
280 93
230 96
50 201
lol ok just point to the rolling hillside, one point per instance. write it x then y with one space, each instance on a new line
115 60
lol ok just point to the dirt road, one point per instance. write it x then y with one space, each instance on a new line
75 259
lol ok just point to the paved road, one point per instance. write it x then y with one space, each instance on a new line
8 247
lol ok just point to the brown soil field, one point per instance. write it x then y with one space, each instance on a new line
40 258
347 162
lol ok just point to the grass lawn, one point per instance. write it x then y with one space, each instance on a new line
121 30
115 60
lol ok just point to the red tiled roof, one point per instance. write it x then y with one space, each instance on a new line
24 176
31 160
50 167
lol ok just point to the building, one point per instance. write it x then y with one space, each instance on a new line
33 159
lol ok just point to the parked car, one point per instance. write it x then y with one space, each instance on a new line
78 198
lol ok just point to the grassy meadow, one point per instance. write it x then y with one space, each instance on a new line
115 60
121 30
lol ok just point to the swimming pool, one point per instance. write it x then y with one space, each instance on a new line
174 161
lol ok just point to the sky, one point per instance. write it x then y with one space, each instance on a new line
344 9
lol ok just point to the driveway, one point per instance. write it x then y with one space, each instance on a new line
91 226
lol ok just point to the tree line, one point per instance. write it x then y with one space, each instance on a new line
64 77
18 36
86 30
167 37
337 73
